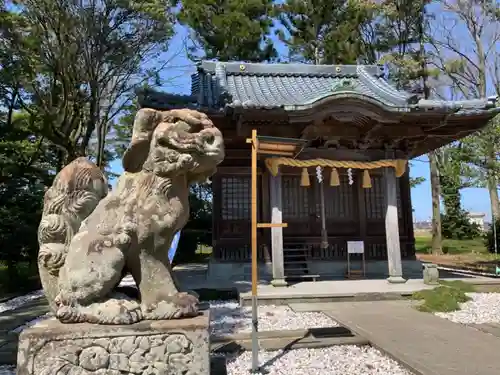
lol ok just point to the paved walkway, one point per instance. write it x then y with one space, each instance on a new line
10 320
426 343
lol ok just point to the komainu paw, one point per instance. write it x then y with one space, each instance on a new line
119 309
180 305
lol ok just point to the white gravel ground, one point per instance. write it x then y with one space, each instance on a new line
335 360
482 308
17 302
228 317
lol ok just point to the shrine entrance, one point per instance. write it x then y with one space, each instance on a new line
342 114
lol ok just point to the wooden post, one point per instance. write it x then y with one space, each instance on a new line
392 226
255 330
277 232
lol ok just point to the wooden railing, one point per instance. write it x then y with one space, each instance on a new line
375 249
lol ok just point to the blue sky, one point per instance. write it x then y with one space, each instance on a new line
177 80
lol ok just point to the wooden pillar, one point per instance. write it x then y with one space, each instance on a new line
392 226
277 233
360 193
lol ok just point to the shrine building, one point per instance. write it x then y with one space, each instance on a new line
343 178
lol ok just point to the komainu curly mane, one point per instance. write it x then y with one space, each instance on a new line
89 240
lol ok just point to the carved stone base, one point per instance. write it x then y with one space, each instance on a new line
166 347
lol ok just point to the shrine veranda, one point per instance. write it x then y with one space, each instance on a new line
348 120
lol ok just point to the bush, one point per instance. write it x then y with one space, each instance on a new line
458 226
488 238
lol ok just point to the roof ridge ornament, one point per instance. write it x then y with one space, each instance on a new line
344 84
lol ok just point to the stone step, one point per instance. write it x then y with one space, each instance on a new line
287 339
289 343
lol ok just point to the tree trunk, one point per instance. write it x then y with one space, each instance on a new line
492 189
436 211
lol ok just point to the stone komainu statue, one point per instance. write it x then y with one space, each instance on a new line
90 239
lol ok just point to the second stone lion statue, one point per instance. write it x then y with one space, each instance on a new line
90 239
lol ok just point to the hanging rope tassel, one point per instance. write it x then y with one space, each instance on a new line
304 178
400 167
367 182
334 177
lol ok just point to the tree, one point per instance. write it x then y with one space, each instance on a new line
395 38
66 71
25 158
402 33
454 175
465 49
323 31
229 30
84 59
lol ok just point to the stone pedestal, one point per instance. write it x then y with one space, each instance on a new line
167 347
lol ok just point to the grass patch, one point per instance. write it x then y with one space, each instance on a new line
423 244
444 298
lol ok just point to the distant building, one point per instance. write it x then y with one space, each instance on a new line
422 225
477 218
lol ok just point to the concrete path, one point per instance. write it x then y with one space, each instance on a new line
424 342
10 320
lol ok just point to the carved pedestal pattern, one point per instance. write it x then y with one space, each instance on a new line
166 347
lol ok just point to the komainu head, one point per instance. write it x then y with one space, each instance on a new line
170 143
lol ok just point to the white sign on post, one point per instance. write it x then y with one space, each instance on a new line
355 247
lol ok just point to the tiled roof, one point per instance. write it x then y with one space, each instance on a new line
295 87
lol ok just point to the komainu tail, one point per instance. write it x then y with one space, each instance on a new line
75 193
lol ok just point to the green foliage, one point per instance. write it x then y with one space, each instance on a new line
454 175
457 225
18 278
324 31
398 38
76 83
445 298
415 181
25 160
67 69
489 238
229 30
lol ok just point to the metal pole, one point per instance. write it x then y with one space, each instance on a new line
495 245
255 321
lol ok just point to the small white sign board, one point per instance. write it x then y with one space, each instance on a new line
355 247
